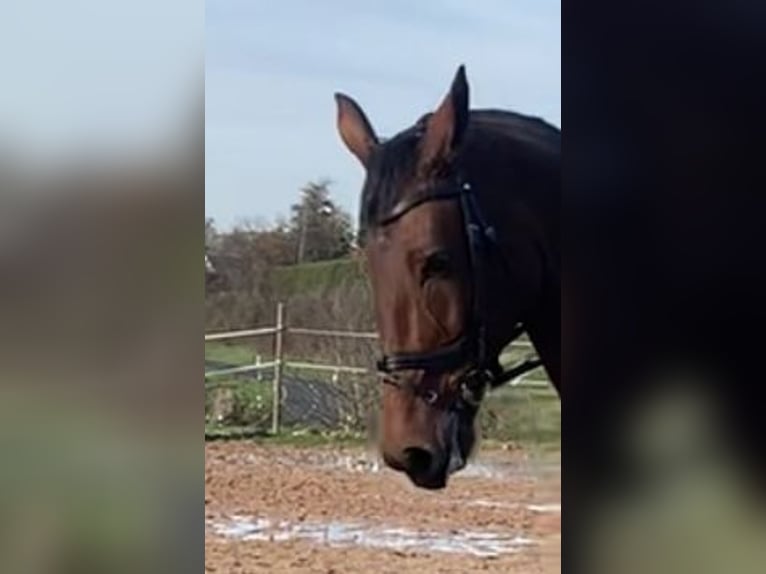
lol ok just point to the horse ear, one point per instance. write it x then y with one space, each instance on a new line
446 126
355 129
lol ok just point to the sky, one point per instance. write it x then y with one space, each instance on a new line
271 69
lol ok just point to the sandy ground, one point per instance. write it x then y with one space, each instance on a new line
503 494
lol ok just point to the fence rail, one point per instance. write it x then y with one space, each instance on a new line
240 334
279 363
330 368
240 370
330 333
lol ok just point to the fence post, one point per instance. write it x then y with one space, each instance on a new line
278 364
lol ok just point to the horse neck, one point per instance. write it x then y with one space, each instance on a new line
544 328
485 167
543 323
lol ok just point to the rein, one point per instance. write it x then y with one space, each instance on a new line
471 347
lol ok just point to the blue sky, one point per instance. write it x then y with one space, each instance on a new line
272 68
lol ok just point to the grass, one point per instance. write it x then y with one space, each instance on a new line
317 277
231 353
288 437
528 416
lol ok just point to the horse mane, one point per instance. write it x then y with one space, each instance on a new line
395 159
527 132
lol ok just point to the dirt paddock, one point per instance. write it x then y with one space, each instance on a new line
335 510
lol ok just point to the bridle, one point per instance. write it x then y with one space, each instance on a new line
470 349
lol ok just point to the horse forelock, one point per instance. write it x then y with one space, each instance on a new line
391 164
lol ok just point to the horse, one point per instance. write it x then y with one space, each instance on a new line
460 226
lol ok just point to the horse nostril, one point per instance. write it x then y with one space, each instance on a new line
418 460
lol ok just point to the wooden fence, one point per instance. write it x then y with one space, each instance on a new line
279 363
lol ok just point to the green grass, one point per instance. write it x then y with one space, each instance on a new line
529 416
288 437
318 277
232 353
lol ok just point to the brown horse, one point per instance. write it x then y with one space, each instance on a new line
460 223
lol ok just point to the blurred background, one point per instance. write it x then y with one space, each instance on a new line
101 297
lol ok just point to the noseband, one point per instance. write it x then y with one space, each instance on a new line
469 351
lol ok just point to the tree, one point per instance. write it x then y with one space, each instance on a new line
321 229
245 253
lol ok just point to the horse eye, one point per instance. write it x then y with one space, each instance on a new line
436 265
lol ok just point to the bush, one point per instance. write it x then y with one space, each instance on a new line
239 403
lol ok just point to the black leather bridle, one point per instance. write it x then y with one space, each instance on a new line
469 351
